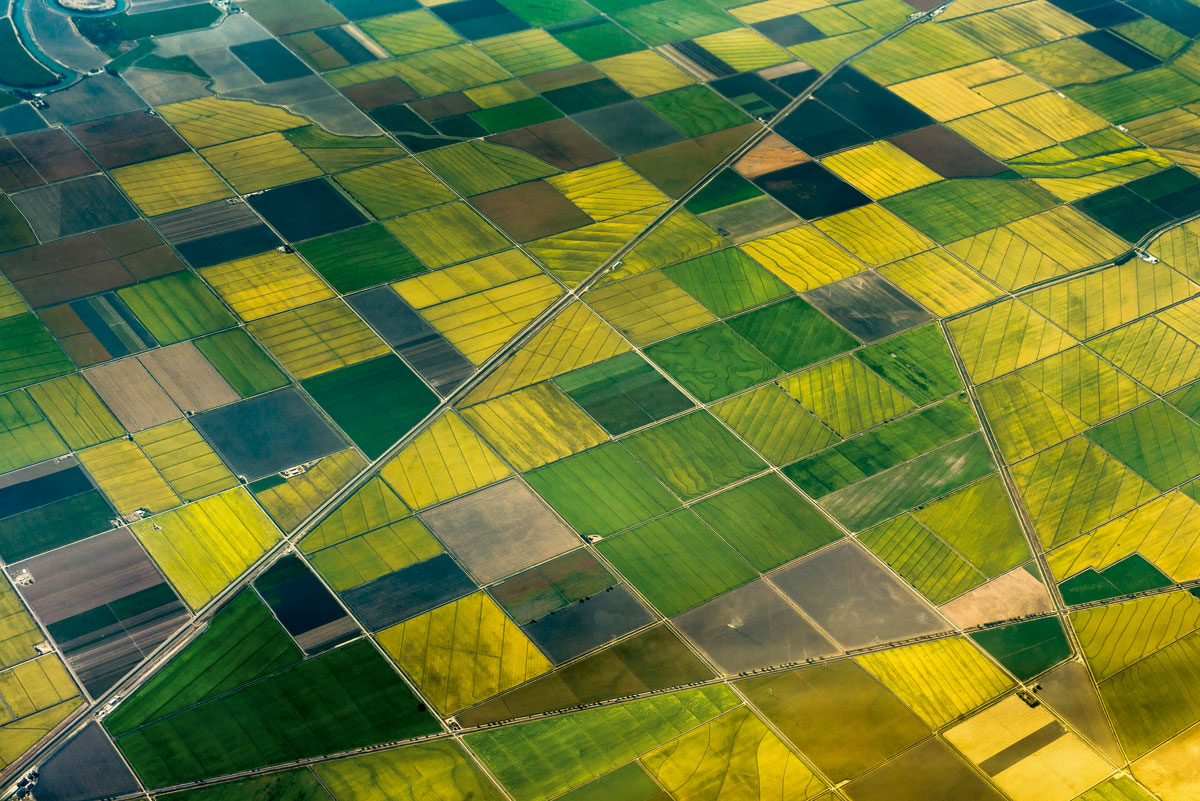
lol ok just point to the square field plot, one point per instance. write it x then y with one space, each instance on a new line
500 530
268 433
375 402
308 209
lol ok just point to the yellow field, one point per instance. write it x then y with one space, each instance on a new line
575 338
394 187
19 736
744 49
733 757
76 411
410 32
880 169
847 395
1088 387
874 234
431 771
774 424
648 307
1006 90
574 255
772 9
802 257
18 632
1153 353
943 96
529 51
293 500
210 120
464 652
318 338
262 285
499 94
444 461
377 553
1056 117
940 680
1184 318
1057 771
35 685
1024 419
1000 134
1003 337
479 324
34 698
441 286
1165 531
448 69
127 477
607 190
373 505
185 460
681 236
260 162
534 426
644 73
1006 259
446 234
170 184
10 301
1092 304
940 282
1159 770
1074 487
1116 636
1180 248
203 546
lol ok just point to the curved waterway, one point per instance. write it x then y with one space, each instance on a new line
46 18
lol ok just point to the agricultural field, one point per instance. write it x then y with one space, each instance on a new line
601 400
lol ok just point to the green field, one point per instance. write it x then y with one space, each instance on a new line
346 698
677 562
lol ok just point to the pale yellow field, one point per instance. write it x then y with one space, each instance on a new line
446 460
127 477
171 183
607 190
648 307
185 460
803 258
575 338
203 546
534 426
451 283
318 338
941 283
262 285
644 73
211 120
480 324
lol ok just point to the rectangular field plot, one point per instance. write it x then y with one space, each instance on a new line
105 604
239 731
202 546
